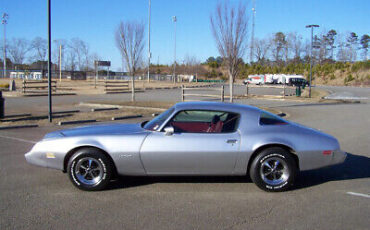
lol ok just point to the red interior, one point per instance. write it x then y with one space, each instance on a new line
198 127
193 127
216 128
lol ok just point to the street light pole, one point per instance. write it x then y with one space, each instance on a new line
60 63
4 22
49 62
149 54
253 25
174 19
311 26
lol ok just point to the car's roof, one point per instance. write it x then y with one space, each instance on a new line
215 106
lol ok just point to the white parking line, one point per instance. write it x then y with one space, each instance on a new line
18 139
358 194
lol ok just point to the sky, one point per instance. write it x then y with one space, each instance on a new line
95 22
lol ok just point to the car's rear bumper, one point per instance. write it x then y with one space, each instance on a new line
339 157
317 159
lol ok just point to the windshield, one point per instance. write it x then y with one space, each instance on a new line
157 121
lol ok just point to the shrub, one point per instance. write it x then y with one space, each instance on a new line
348 79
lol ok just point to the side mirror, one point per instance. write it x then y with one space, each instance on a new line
168 131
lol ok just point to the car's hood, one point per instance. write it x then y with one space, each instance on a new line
103 129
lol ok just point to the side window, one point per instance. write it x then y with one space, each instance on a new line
204 121
269 119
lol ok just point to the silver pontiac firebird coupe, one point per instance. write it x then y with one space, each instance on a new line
191 138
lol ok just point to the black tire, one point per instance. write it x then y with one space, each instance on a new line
89 169
273 170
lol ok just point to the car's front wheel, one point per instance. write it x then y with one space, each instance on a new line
273 170
89 169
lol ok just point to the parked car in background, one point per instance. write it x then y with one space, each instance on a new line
298 82
191 138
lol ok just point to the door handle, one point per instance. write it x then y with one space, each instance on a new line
231 141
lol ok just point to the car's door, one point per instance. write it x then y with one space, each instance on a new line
195 148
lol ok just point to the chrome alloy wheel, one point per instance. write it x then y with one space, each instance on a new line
274 171
89 171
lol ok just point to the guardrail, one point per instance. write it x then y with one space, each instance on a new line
38 86
220 95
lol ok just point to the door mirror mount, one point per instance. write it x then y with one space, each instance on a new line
168 131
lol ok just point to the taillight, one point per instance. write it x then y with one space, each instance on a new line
327 152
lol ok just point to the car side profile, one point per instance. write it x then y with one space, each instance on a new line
190 138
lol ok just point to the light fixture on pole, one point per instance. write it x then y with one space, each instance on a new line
4 21
311 26
174 19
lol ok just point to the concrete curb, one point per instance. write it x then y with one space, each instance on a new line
118 92
120 106
100 105
45 94
103 109
75 122
67 111
18 115
126 117
18 127
29 118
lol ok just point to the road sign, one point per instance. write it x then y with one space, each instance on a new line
102 63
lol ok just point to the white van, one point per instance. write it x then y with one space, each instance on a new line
255 79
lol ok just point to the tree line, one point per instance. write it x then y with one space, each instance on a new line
24 53
286 48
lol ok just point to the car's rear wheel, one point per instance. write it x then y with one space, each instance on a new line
273 170
89 169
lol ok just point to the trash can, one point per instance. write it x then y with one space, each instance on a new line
298 91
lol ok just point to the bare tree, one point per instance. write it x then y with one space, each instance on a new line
306 50
190 63
70 56
343 54
296 45
81 50
130 42
262 47
18 49
229 27
39 45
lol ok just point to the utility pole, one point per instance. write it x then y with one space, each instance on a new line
311 26
149 54
253 24
174 19
4 22
49 62
60 63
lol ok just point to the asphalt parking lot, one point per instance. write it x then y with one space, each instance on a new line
329 198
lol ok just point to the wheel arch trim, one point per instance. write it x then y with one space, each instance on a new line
271 145
75 149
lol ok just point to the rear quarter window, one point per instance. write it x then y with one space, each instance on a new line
270 119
